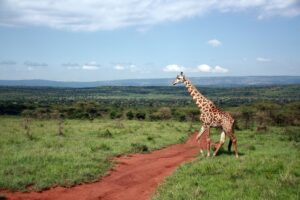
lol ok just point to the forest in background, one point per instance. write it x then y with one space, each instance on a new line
262 105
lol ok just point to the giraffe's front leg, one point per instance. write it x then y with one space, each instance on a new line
208 142
200 133
198 138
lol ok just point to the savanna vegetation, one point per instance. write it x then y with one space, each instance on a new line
268 168
65 136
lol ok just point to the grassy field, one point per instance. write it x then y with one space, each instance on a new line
82 154
268 168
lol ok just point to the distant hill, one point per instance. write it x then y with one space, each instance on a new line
203 81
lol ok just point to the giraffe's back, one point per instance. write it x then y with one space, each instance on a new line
216 118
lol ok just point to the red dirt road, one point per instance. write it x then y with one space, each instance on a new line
136 176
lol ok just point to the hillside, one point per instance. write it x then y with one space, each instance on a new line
204 81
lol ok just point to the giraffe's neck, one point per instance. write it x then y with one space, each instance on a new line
199 99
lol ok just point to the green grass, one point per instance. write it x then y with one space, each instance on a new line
268 168
82 154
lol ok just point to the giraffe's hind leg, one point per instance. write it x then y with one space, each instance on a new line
221 142
234 141
228 128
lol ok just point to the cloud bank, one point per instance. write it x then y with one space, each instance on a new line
93 15
200 68
91 66
174 68
208 69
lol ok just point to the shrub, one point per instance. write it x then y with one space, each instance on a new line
182 118
155 116
165 113
115 115
140 115
130 115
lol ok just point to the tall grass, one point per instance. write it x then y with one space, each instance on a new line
82 154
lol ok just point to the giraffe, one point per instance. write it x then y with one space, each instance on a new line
210 116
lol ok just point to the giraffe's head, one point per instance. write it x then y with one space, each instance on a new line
179 79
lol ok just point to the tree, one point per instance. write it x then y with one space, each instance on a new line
165 113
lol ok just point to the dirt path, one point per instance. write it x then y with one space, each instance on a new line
136 176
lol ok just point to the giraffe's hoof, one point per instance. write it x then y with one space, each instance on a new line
237 156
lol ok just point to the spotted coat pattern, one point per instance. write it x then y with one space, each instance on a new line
211 116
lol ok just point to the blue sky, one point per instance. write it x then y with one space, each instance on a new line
106 40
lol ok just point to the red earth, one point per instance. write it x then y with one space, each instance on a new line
135 176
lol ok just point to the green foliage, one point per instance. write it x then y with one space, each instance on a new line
155 116
90 103
115 115
292 133
165 113
130 115
140 115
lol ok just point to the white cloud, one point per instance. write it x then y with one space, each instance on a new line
204 68
261 59
119 67
174 68
219 69
91 66
130 68
214 43
208 69
92 15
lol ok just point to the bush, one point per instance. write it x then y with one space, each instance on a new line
115 115
182 118
140 115
130 115
155 116
165 113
